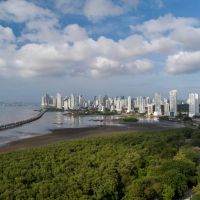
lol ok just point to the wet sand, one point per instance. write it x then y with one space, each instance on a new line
76 133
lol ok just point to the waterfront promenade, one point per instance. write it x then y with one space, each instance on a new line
22 122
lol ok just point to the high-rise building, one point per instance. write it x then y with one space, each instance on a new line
150 109
59 101
129 105
80 101
166 108
141 105
118 105
193 104
72 101
54 101
157 104
173 103
45 100
148 100
66 106
107 104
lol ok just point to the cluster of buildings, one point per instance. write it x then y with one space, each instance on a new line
156 106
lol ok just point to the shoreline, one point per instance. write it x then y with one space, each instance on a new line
64 134
58 135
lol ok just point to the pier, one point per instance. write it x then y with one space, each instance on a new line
20 123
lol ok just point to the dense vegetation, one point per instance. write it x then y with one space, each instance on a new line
164 118
52 109
152 165
128 119
96 112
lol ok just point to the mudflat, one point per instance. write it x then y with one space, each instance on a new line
58 135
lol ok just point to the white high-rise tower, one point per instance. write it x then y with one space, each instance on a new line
59 101
166 108
129 105
193 104
157 104
173 103
141 105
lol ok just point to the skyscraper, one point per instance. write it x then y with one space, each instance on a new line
141 105
150 109
118 105
59 101
157 104
166 108
129 105
173 103
72 101
45 100
193 104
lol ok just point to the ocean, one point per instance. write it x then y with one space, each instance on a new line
51 120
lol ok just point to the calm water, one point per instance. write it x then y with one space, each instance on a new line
50 120
16 112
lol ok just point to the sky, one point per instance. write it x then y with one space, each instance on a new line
91 47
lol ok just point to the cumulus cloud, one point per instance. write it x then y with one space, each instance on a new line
106 67
105 8
183 63
22 11
86 57
70 6
39 59
188 37
96 10
177 37
74 33
164 24
6 34
45 48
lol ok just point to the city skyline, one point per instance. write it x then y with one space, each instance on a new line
123 47
157 106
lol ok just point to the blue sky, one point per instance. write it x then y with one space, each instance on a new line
114 47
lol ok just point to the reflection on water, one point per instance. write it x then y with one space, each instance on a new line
148 120
56 120
53 120
9 114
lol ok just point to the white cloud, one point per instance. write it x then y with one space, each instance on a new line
6 34
178 38
74 33
41 31
70 6
96 10
48 31
103 67
162 45
22 11
55 51
40 60
164 24
183 63
86 58
188 37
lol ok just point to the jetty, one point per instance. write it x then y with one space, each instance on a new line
22 122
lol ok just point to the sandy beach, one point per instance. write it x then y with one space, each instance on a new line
58 135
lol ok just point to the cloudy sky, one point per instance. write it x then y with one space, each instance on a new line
115 47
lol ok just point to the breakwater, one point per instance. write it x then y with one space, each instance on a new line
22 122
